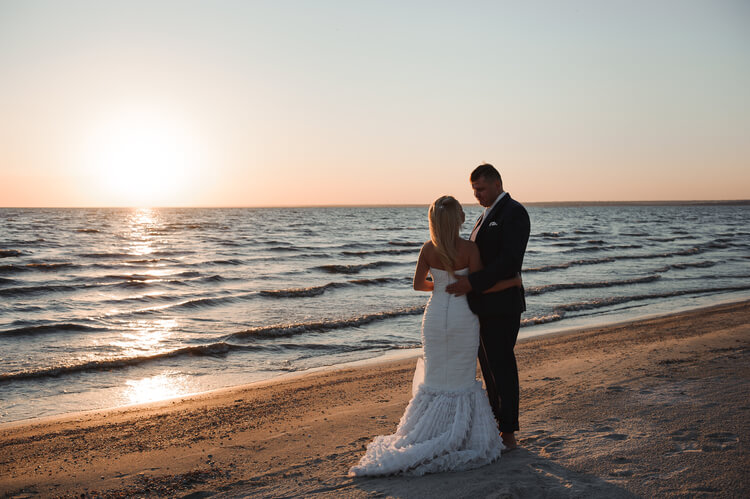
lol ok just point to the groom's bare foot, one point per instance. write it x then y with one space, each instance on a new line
509 440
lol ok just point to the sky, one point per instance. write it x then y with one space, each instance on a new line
288 103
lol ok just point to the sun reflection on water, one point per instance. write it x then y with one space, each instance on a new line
141 223
154 388
145 336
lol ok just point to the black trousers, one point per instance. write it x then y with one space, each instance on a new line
498 336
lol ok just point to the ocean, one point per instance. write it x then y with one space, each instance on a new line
102 308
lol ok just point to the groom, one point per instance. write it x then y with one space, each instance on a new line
501 234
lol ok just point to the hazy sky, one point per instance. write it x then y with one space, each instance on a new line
248 103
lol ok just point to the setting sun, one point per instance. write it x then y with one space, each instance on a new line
142 158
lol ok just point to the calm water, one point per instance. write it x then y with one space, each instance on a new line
106 307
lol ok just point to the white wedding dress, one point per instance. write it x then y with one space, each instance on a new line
448 424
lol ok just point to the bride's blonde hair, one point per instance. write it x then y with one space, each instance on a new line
446 217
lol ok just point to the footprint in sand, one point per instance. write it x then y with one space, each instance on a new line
720 441
615 436
704 488
684 440
684 434
535 438
551 445
621 473
615 388
546 443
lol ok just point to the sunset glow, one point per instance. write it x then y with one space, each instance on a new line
142 159
324 103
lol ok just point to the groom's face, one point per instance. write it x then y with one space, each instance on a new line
486 191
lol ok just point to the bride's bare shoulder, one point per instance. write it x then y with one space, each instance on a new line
427 250
466 250
464 245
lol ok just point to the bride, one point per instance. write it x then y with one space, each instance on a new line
448 424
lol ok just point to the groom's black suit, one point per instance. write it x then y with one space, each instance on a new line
502 243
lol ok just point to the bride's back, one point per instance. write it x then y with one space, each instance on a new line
450 335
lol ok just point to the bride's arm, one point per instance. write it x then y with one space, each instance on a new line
505 284
420 273
475 264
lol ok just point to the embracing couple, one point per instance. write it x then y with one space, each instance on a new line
451 423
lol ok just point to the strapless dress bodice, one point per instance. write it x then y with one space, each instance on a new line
443 278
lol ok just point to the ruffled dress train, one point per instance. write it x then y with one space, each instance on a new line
448 424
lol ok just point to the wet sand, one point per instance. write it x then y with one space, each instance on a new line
658 407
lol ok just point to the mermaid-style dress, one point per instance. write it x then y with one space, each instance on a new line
448 424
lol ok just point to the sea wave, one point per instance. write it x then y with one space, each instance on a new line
229 261
355 269
703 264
670 239
205 302
12 269
380 252
538 290
9 253
32 290
405 243
213 350
596 247
281 330
301 292
565 265
50 328
381 280
668 254
145 261
107 255
542 319
609 259
319 290
616 300
51 266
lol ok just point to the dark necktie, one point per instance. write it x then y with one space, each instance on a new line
476 227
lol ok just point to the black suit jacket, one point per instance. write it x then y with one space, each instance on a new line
502 243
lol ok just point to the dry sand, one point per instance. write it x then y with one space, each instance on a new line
654 408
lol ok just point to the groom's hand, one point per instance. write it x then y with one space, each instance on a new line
460 287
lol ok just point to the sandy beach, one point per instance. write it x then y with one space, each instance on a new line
657 407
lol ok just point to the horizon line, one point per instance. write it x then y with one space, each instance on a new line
676 202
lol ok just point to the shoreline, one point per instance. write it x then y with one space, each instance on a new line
387 357
655 407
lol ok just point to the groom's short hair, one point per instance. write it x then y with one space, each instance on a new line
487 171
